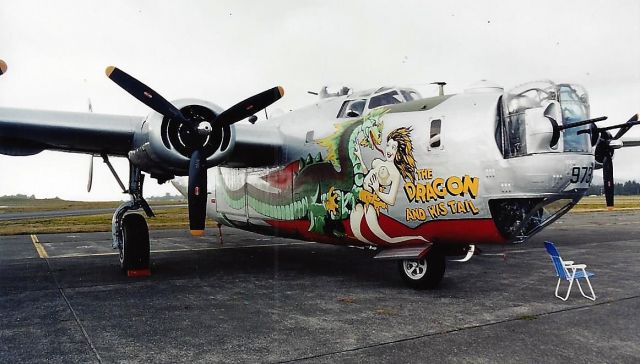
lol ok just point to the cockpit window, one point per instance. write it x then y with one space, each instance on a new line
387 98
410 95
352 108
523 107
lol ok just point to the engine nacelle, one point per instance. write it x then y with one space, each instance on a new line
160 145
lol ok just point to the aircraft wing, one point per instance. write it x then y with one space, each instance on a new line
28 132
180 138
631 142
256 146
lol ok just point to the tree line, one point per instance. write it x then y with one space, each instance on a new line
627 188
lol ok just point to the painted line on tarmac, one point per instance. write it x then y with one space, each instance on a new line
80 255
39 248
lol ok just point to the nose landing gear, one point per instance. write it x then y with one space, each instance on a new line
424 273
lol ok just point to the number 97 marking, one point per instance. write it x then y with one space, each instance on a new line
581 174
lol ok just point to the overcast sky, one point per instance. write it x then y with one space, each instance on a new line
224 51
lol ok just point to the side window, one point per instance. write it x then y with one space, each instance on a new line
435 141
351 108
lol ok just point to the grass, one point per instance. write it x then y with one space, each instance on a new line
169 218
526 318
10 204
597 203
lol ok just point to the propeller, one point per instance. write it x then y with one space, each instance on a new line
197 133
605 149
604 155
603 141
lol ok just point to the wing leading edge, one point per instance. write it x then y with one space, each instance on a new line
28 132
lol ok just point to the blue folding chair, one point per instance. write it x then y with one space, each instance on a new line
567 270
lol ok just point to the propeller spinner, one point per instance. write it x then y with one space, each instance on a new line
3 67
197 194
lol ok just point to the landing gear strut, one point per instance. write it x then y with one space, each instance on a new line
128 228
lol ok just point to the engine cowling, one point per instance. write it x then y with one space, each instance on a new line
161 148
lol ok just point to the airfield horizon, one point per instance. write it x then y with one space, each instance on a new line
168 217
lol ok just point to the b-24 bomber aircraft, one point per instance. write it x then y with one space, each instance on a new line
417 179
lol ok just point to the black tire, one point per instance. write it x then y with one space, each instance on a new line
134 252
425 273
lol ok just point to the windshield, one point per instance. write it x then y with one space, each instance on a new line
387 98
518 111
575 107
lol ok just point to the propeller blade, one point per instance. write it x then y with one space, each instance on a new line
250 106
607 175
197 194
603 148
633 121
90 182
144 93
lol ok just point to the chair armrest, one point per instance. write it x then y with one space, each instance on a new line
568 262
577 266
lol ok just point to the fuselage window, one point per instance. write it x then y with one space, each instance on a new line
352 109
434 134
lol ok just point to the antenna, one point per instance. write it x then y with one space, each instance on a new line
440 87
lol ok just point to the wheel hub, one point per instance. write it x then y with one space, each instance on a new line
415 269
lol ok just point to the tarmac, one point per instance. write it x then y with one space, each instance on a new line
265 299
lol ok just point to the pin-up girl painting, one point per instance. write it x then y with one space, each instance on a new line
381 186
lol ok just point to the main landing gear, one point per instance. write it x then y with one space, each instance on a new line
423 273
129 229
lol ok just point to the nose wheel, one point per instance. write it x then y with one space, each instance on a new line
423 273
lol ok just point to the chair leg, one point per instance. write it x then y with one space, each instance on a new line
568 289
593 295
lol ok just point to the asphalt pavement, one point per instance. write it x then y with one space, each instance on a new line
264 299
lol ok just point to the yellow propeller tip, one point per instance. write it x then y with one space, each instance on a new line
281 91
197 232
3 67
109 70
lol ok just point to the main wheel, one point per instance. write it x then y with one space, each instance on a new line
134 252
424 273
